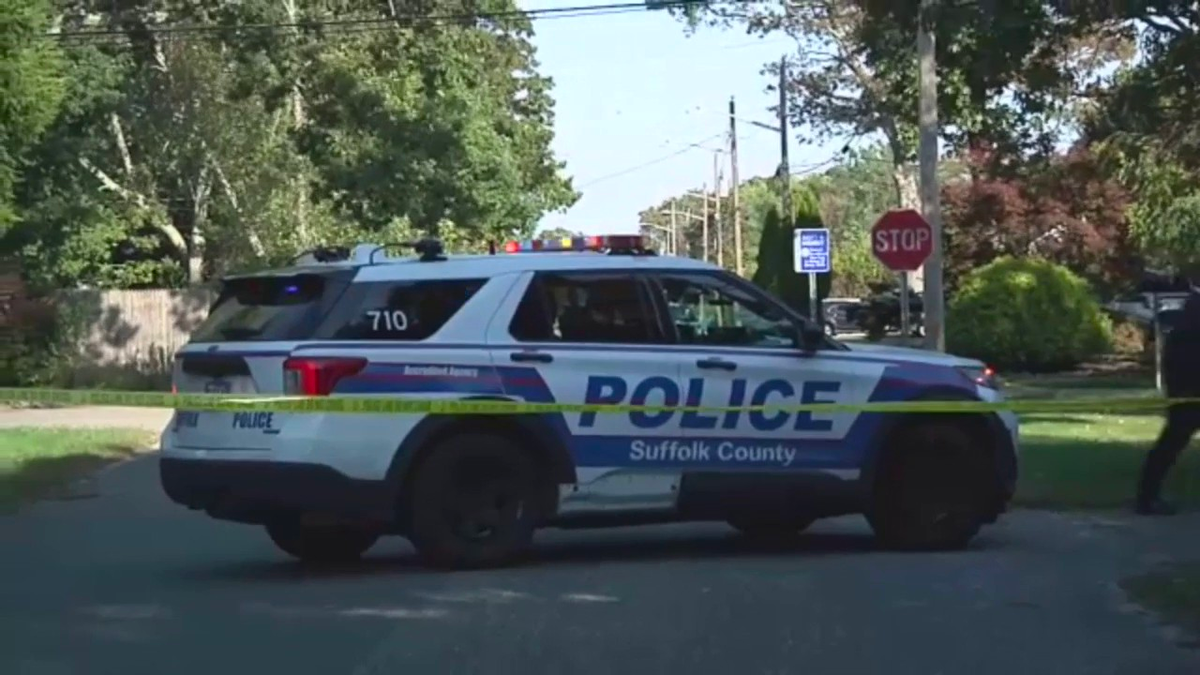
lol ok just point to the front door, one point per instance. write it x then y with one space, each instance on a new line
742 353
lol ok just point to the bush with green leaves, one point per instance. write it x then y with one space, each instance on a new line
1026 314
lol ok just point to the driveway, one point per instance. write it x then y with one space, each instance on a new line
127 583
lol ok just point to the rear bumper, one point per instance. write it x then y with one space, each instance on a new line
260 491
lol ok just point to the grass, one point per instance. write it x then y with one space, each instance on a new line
34 462
1078 461
1172 592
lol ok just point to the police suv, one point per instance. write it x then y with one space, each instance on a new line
596 320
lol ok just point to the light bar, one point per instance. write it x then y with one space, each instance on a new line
618 242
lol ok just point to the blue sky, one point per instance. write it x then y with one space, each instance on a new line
634 88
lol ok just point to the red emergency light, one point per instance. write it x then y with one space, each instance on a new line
612 242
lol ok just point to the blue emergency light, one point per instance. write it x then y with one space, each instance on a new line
618 242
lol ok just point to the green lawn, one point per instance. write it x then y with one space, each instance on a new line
1091 460
1173 592
36 461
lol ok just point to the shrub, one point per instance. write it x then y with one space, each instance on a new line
1132 339
1026 314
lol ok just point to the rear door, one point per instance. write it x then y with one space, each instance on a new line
594 337
240 349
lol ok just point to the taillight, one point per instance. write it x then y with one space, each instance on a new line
318 376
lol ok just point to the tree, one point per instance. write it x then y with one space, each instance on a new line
854 71
177 159
1064 210
775 271
31 88
1144 127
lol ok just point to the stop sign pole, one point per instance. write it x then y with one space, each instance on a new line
902 240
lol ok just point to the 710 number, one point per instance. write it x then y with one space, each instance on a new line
392 320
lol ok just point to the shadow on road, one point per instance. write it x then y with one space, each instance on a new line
53 477
700 548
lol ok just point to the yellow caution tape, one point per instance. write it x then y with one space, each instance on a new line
395 405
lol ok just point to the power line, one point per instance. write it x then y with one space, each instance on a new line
697 145
373 23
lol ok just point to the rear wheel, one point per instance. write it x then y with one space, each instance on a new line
321 544
931 490
766 527
474 502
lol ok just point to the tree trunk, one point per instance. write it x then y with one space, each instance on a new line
908 194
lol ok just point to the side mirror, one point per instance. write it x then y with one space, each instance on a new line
810 338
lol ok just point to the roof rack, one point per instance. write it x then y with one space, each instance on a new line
324 254
427 250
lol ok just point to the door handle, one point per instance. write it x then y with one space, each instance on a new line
531 357
716 364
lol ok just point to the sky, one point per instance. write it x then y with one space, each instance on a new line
641 106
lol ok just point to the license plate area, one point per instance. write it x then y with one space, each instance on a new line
246 430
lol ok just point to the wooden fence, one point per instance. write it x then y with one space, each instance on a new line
132 334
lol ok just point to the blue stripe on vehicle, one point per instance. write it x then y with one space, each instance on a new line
898 383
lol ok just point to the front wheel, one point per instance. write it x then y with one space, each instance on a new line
931 490
474 502
321 544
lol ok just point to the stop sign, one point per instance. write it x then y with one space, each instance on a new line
902 240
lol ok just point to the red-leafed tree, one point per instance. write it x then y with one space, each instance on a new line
1065 209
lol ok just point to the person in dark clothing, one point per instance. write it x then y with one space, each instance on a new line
1181 375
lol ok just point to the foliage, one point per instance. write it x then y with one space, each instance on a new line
31 87
177 158
40 348
854 73
1026 314
1064 210
775 271
1144 126
1009 73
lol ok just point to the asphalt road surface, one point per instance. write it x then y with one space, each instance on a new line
126 583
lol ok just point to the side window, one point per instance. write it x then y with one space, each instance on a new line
398 310
585 308
707 310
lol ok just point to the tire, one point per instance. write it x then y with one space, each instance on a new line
931 490
770 529
830 329
324 544
473 503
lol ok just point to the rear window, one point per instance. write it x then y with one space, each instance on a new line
398 310
267 308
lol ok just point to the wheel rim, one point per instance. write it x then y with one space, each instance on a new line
937 496
482 501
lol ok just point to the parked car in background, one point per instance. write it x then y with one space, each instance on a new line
841 314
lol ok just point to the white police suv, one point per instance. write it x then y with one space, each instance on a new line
597 320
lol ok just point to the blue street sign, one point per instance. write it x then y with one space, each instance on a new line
810 251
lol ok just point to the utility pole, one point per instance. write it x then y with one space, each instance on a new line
785 171
927 122
704 192
674 231
733 177
717 209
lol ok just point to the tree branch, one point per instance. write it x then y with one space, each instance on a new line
137 199
114 124
227 188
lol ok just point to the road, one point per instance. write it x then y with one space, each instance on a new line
127 584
